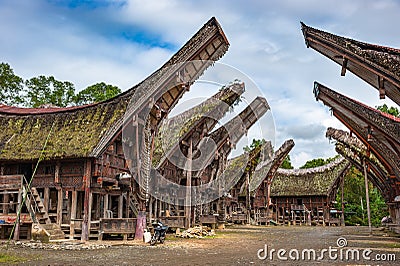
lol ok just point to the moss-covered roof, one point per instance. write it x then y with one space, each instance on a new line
86 131
71 134
318 181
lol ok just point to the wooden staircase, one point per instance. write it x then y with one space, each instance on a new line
40 216
133 203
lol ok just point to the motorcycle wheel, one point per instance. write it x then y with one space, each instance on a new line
153 241
162 239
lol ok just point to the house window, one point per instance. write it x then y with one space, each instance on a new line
299 201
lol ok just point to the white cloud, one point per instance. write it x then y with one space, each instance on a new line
122 43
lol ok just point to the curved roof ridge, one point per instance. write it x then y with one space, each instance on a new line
305 28
318 169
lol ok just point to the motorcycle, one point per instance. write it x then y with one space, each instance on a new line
160 231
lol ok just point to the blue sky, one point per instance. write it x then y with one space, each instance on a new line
121 42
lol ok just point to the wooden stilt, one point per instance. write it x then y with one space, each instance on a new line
59 205
120 206
46 198
17 225
86 201
90 212
105 206
188 203
73 214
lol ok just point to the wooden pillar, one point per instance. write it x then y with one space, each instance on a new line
150 209
59 205
90 211
367 197
74 198
105 206
268 196
46 198
86 201
6 202
248 197
17 221
188 203
120 206
127 207
57 179
342 199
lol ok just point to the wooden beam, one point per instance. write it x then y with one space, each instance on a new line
382 91
344 66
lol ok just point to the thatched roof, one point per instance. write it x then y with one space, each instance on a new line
318 181
368 61
85 131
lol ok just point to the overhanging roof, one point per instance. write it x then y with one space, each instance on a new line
377 65
86 131
378 131
357 153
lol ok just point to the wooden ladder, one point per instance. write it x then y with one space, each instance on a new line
35 206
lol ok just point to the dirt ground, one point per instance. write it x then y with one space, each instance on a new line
237 245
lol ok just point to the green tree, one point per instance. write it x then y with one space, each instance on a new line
97 93
392 110
355 204
11 86
47 90
254 144
287 164
317 162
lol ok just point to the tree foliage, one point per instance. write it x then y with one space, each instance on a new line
10 86
97 93
47 90
389 110
287 164
317 162
256 143
42 90
254 147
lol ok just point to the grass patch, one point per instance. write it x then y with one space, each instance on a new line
8 258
